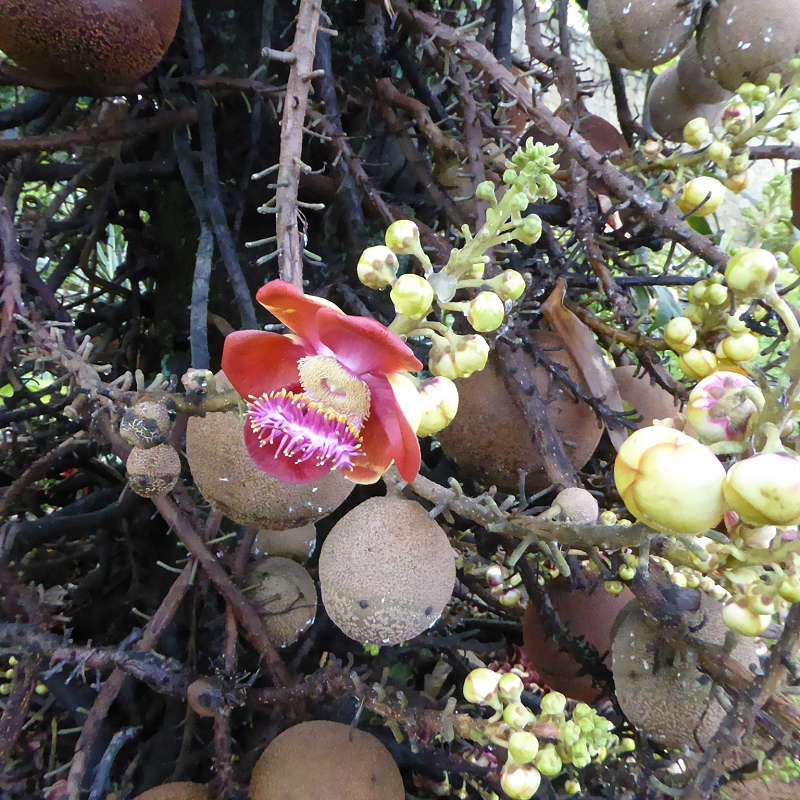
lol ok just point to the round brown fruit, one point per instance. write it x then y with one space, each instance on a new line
695 85
670 110
589 613
181 790
639 35
285 596
88 42
746 40
490 439
145 424
640 394
296 543
153 471
386 571
227 477
326 759
664 694
577 506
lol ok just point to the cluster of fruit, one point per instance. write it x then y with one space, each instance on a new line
10 676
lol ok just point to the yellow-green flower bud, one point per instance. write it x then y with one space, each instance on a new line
698 364
614 588
583 711
752 273
553 703
402 237
789 589
377 267
486 312
627 745
765 489
719 153
716 295
794 256
412 296
480 686
41 689
520 781
737 182
761 93
702 197
460 359
485 192
669 481
6 689
579 755
742 620
439 403
608 518
547 761
680 334
697 293
747 90
511 599
572 787
510 688
529 230
518 716
696 131
10 674
678 579
523 747
626 573
739 348
509 284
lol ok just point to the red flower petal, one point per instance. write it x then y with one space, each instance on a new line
256 362
364 345
386 437
281 468
294 309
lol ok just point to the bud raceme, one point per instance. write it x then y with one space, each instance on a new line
412 296
669 481
377 267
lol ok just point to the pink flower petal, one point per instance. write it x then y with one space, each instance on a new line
280 467
256 362
364 345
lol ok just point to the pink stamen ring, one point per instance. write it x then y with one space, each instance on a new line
302 429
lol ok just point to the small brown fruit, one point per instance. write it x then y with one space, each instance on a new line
577 506
664 694
181 790
386 571
745 40
328 760
639 35
670 110
589 613
145 424
490 439
640 394
153 471
285 596
296 543
88 42
227 477
696 87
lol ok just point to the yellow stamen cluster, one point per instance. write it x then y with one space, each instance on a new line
326 382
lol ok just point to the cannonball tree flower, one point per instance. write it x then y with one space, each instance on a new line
669 481
322 397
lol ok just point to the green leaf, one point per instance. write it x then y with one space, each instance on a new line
699 224
667 307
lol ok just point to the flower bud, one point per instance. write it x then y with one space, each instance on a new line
439 404
553 703
412 296
608 518
572 787
747 90
520 781
377 267
614 588
518 716
627 745
697 364
716 295
794 256
702 197
547 761
740 348
737 182
626 573
680 334
529 231
789 589
480 686
719 153
469 354
494 575
765 489
752 273
41 689
737 117
509 284
723 407
510 688
402 237
741 619
523 747
485 192
696 131
486 312
652 148
697 293
669 481
511 599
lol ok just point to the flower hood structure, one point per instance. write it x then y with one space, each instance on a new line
323 397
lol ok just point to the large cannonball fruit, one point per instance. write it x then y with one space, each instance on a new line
88 42
386 571
327 760
696 87
176 791
670 110
648 399
153 471
227 477
639 34
663 694
589 613
490 439
745 40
